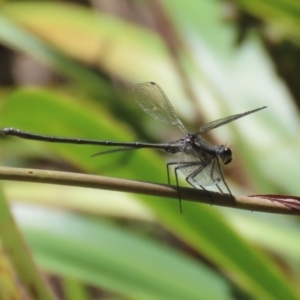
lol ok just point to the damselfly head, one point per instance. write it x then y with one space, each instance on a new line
225 154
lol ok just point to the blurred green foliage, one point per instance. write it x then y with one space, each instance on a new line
213 59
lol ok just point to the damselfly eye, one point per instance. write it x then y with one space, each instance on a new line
226 156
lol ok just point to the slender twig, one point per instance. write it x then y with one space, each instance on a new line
258 203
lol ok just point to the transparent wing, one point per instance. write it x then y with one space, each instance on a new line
152 99
200 171
220 122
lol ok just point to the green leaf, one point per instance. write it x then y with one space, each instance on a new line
92 37
112 258
19 39
20 259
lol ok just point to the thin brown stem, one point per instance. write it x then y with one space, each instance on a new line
258 203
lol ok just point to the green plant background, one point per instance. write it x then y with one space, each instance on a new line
136 247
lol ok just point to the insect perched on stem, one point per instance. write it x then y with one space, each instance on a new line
199 161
